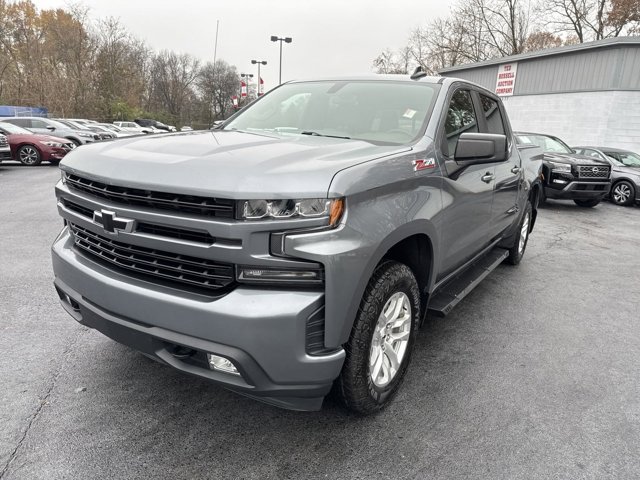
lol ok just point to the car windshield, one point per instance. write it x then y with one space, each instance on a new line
380 112
74 125
11 128
628 159
57 124
548 144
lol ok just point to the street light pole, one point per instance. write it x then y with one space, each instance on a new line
275 38
246 76
259 62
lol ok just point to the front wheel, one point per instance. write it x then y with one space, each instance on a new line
516 252
587 203
381 341
29 155
623 193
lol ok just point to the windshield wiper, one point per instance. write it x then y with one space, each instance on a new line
316 134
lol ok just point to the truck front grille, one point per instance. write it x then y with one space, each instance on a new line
210 207
590 171
161 266
4 143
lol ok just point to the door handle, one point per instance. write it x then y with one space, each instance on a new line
488 177
515 170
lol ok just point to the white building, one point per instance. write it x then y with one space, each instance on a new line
586 94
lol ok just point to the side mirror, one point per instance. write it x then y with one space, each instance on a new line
478 148
51 128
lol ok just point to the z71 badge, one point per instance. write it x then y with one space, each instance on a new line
423 164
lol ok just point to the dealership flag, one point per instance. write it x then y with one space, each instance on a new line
261 88
234 99
243 89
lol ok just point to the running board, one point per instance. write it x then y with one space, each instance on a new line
460 286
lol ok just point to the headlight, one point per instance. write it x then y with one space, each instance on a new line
86 135
560 167
282 209
314 275
52 144
63 176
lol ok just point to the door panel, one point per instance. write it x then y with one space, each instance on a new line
467 199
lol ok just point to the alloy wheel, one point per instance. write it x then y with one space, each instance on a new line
621 193
390 339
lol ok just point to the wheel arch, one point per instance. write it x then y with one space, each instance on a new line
420 234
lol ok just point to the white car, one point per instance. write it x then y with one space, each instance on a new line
133 127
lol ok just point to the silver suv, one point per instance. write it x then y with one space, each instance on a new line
46 126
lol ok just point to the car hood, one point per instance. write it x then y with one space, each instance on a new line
573 159
627 170
25 137
228 164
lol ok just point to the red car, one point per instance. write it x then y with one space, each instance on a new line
31 148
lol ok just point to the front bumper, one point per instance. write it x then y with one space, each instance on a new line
261 330
578 190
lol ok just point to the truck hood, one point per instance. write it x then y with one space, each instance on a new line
573 159
228 164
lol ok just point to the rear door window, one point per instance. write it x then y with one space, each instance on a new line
491 111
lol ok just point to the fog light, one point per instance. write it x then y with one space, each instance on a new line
557 180
222 364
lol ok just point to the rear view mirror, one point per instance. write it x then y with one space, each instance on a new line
476 148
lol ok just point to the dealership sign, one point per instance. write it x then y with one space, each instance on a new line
506 81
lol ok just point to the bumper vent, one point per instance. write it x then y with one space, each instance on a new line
179 270
210 207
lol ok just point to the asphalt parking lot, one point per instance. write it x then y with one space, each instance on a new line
535 375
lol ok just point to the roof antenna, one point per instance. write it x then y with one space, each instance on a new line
418 73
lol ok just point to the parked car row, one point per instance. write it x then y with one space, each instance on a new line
32 140
32 148
586 174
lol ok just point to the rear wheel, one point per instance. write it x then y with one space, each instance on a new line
587 203
29 155
380 344
623 193
516 252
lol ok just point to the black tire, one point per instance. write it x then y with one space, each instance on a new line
587 203
54 161
516 252
355 386
29 155
623 193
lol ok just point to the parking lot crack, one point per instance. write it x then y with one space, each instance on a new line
43 401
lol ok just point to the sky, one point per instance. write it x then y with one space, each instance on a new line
330 37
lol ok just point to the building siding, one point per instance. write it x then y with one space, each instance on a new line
604 69
610 119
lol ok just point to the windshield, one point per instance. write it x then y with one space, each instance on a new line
548 144
628 159
74 125
382 112
11 128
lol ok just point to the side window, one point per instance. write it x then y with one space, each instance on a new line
491 112
38 124
21 122
461 118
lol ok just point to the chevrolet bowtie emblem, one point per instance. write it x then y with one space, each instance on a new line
111 223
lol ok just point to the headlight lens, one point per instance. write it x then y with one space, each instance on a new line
86 135
63 176
52 144
560 167
281 209
314 275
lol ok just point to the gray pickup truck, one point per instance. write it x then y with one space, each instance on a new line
300 246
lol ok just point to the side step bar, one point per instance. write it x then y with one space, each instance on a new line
460 286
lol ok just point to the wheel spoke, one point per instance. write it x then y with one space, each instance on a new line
377 367
390 353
